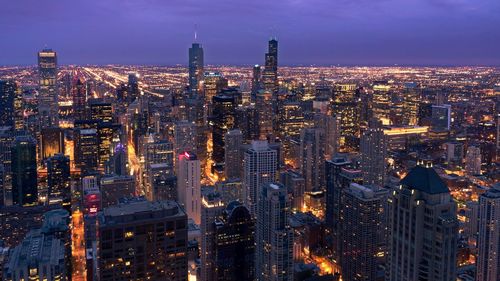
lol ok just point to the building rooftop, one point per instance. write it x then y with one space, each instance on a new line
425 180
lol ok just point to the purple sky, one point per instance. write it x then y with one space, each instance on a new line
325 32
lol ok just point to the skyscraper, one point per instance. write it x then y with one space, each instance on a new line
211 208
58 180
488 260
86 152
235 244
24 174
189 184
143 240
259 167
441 118
274 238
256 82
133 91
184 137
312 158
373 150
423 229
270 74
79 97
8 90
223 120
345 107
196 66
232 154
52 142
339 175
363 225
48 107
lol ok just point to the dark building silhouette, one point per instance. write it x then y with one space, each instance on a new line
24 174
234 244
8 90
195 67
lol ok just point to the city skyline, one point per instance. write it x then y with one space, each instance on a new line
390 32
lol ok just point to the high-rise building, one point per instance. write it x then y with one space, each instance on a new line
296 186
373 150
79 97
441 118
259 165
86 152
270 74
411 101
423 229
312 158
235 244
48 107
101 111
232 154
6 143
345 108
196 66
117 163
339 175
143 240
222 120
213 84
24 174
274 237
256 82
211 208
58 180
189 184
184 137
133 91
51 142
8 90
381 101
488 259
264 114
473 160
363 224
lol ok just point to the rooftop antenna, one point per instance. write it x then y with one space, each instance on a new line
195 32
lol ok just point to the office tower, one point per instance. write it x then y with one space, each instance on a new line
117 163
158 152
8 90
86 152
488 260
189 184
296 186
211 208
222 120
246 120
312 158
232 154
339 175
373 150
133 91
142 240
473 160
441 117
381 102
101 111
51 142
58 180
162 182
24 174
454 153
213 84
264 114
234 244
345 106
107 135
363 224
196 67
40 256
184 137
48 107
256 82
423 229
290 119
259 165
79 97
114 188
270 74
6 143
411 101
274 238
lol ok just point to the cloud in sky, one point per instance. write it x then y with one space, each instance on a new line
235 31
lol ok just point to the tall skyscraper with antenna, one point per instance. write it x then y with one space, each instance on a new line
195 66
270 74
